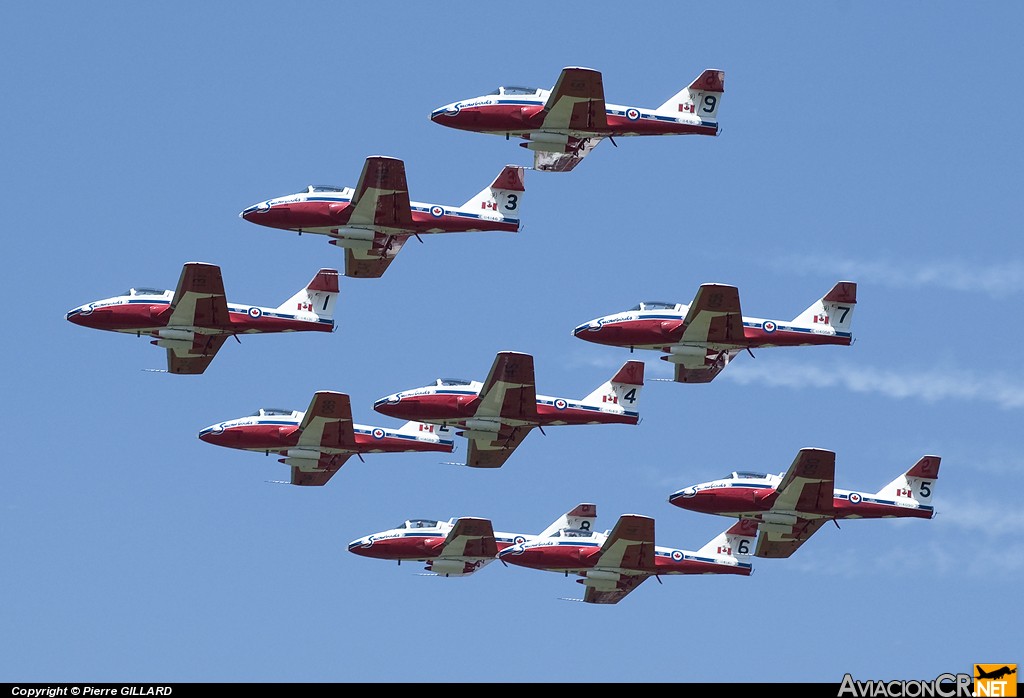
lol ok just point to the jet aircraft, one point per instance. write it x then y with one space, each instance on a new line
612 564
562 125
499 413
458 547
701 338
789 508
317 442
376 218
193 321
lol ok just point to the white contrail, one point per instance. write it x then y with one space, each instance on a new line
997 280
930 386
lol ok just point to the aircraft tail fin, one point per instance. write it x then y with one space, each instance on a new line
834 309
318 297
701 97
737 543
427 432
622 390
581 517
917 484
504 196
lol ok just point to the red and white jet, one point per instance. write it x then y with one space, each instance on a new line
375 219
193 321
612 564
703 337
563 124
458 547
317 442
499 413
790 507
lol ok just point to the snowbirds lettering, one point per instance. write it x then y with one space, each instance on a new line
457 547
612 564
193 321
499 413
317 442
700 339
789 508
563 124
375 219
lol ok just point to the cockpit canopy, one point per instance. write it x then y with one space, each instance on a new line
515 91
143 291
654 305
418 523
271 412
452 381
572 533
746 476
313 188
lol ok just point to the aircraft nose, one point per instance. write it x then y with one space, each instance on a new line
515 555
356 545
447 111
252 211
582 330
680 497
212 434
79 315
386 405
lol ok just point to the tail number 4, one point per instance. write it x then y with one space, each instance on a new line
630 397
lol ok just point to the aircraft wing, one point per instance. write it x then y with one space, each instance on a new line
629 550
204 348
470 537
372 263
625 585
327 424
492 453
315 473
630 545
575 150
703 367
714 316
199 299
808 487
510 391
382 196
779 543
576 102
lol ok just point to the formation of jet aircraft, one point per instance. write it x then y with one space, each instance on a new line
789 508
372 221
562 125
317 442
609 565
498 414
457 547
700 339
193 321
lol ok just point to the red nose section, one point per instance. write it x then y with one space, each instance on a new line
426 408
631 334
299 215
78 318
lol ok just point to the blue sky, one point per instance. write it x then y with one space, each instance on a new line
870 141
